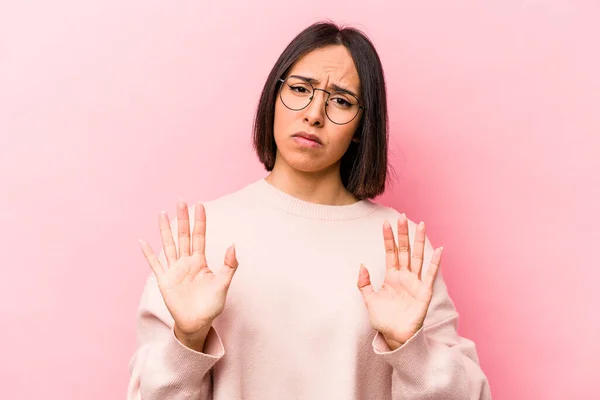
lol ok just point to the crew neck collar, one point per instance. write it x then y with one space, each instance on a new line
302 208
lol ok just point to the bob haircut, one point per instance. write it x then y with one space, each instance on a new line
364 166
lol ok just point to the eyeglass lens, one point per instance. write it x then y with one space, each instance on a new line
341 107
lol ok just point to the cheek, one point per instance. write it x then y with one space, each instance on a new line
341 137
281 121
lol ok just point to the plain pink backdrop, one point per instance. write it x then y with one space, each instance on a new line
110 111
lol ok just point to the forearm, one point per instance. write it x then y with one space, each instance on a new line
163 366
424 368
169 369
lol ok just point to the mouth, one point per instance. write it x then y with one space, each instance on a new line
308 136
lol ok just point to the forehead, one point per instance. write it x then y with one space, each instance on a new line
330 65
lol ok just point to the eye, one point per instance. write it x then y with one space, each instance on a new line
340 101
299 89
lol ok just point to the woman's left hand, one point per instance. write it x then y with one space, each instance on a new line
398 310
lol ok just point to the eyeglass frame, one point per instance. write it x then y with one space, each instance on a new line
326 102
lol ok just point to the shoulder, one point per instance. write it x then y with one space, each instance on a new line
392 215
383 212
226 205
221 208
225 210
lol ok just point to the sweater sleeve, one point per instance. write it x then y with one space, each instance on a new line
436 363
162 367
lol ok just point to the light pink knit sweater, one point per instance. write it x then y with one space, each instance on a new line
295 325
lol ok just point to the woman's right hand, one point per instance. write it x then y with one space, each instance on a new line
193 294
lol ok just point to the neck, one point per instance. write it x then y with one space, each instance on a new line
321 187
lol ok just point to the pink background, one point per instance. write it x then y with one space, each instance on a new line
110 111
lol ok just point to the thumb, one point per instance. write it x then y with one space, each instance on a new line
364 282
230 264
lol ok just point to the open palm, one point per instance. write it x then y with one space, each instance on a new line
398 310
193 294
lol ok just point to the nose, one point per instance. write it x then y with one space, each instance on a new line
315 112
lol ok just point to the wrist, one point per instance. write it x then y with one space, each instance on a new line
194 340
392 343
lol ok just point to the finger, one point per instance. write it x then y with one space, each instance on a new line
199 232
434 267
416 262
391 251
230 264
167 238
155 265
183 229
364 283
403 243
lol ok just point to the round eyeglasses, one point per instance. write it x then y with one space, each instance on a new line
341 106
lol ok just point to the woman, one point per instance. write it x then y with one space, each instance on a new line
323 294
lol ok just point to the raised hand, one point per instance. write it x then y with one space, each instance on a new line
398 310
193 294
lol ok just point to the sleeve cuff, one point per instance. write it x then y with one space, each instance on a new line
423 367
380 346
411 360
184 368
213 346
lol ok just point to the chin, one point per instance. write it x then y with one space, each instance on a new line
304 162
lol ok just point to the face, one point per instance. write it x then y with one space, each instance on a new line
307 140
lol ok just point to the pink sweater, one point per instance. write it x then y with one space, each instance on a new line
295 325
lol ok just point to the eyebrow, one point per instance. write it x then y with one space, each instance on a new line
314 81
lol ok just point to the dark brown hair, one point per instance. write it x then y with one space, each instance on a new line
364 166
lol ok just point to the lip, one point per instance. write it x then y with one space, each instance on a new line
308 136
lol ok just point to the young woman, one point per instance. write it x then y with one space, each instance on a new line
323 293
